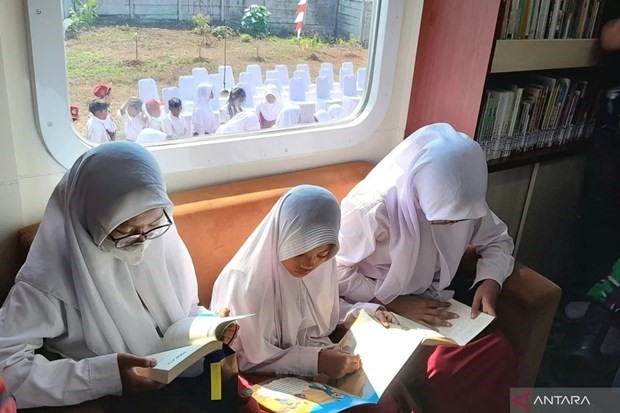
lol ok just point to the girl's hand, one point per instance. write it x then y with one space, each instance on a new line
131 380
385 317
231 331
419 309
486 295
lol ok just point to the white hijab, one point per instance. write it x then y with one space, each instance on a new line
322 116
270 111
105 187
290 311
336 111
288 117
436 173
202 114
243 121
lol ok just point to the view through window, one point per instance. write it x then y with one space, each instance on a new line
153 70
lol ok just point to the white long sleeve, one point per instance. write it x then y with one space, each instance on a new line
27 319
495 247
364 251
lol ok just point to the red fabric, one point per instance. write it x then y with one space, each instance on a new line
7 403
473 378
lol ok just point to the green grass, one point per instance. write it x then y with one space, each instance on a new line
88 63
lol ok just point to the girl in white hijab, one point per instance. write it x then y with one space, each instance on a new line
286 275
203 119
269 109
336 111
405 228
90 291
242 122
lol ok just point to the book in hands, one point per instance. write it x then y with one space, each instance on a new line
462 331
188 341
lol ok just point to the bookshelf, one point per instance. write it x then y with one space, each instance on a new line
457 55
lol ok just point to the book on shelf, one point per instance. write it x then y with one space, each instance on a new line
383 352
550 19
188 341
536 111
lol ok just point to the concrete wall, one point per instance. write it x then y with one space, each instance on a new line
343 18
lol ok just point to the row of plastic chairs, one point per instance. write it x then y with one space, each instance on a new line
253 77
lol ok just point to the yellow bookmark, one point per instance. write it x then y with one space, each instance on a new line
216 381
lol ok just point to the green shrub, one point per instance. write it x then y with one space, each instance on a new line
202 23
223 31
255 20
82 16
246 38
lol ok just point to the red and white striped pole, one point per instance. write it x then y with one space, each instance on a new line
299 18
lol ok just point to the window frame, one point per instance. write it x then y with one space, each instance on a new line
65 144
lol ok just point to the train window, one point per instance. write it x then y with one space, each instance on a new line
211 83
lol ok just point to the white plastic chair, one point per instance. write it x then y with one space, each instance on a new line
257 73
201 75
299 74
330 73
249 98
216 80
229 80
296 90
361 78
246 77
276 83
330 77
303 67
283 70
322 88
169 93
349 87
348 66
187 89
342 73
147 90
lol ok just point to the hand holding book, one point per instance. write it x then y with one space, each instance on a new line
431 312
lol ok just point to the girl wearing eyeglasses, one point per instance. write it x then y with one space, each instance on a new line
106 275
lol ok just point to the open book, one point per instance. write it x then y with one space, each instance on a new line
383 351
188 340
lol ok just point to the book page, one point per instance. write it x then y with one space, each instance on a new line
383 351
462 331
295 395
199 329
464 328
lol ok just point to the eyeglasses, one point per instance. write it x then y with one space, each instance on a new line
129 240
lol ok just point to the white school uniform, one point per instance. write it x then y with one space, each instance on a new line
133 126
294 316
175 127
203 119
109 124
155 123
65 298
388 245
96 131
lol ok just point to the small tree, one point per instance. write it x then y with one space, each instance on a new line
255 20
82 16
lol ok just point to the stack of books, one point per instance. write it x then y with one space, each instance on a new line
536 111
550 19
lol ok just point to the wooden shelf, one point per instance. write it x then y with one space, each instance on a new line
538 155
522 55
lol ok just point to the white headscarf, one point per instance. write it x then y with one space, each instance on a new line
202 114
322 116
290 311
336 111
150 135
243 121
288 117
106 186
270 111
436 173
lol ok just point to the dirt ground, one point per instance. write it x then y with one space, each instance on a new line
108 54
